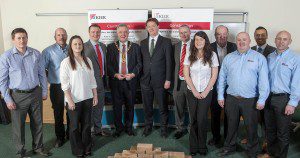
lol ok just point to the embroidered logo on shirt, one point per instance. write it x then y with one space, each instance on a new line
284 64
250 60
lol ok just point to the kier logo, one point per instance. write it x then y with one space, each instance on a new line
93 16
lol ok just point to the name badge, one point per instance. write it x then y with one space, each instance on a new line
250 60
284 64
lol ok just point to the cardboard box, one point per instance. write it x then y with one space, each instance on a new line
145 155
176 154
129 154
133 148
144 148
161 154
110 157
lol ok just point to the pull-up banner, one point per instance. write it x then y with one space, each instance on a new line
108 20
171 19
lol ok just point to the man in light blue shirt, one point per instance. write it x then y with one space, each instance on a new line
284 76
53 56
23 84
245 73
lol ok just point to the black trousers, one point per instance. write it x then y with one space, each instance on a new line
123 94
246 107
198 109
148 93
80 127
57 100
216 117
277 125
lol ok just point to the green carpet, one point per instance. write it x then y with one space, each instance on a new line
106 146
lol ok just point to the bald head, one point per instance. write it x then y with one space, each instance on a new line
60 37
283 40
221 35
243 42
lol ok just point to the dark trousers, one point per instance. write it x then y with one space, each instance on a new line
180 102
80 127
30 103
246 107
148 93
198 109
216 117
122 93
57 100
277 125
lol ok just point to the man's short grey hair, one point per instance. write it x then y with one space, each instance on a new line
122 25
60 29
185 26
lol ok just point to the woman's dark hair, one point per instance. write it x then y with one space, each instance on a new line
71 54
207 50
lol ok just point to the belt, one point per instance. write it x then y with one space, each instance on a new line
237 97
278 94
25 91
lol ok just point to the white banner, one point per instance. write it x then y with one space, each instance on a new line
171 19
108 20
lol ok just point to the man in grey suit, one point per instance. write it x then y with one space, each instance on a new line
156 76
96 51
261 36
179 92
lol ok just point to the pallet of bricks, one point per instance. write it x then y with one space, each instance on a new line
148 151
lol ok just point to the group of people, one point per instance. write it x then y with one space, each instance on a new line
241 80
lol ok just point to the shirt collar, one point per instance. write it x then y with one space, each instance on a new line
16 51
283 53
262 47
243 53
60 48
94 43
187 43
121 44
155 38
221 47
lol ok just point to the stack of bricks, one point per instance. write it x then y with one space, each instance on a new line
148 151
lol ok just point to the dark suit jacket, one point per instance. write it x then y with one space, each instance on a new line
134 62
269 49
90 53
158 68
231 47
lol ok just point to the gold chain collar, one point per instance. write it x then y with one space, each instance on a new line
123 54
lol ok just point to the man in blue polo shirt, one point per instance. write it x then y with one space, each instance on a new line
284 76
245 72
53 56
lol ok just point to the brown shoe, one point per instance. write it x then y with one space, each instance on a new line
244 141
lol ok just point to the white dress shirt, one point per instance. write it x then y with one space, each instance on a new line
221 52
80 81
188 44
155 40
200 73
120 57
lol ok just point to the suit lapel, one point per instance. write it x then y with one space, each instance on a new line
177 52
92 50
129 53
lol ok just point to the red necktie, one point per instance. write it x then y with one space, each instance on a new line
123 65
182 60
99 59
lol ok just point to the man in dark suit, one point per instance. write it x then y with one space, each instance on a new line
156 76
96 52
222 47
181 49
261 36
123 67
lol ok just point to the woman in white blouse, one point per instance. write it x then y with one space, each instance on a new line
200 73
79 85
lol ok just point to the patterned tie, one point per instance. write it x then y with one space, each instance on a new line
152 47
99 59
182 60
123 65
259 50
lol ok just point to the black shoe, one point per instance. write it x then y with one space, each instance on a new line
43 153
213 142
80 156
147 131
224 152
117 134
88 154
178 134
130 132
105 133
193 154
164 134
59 143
